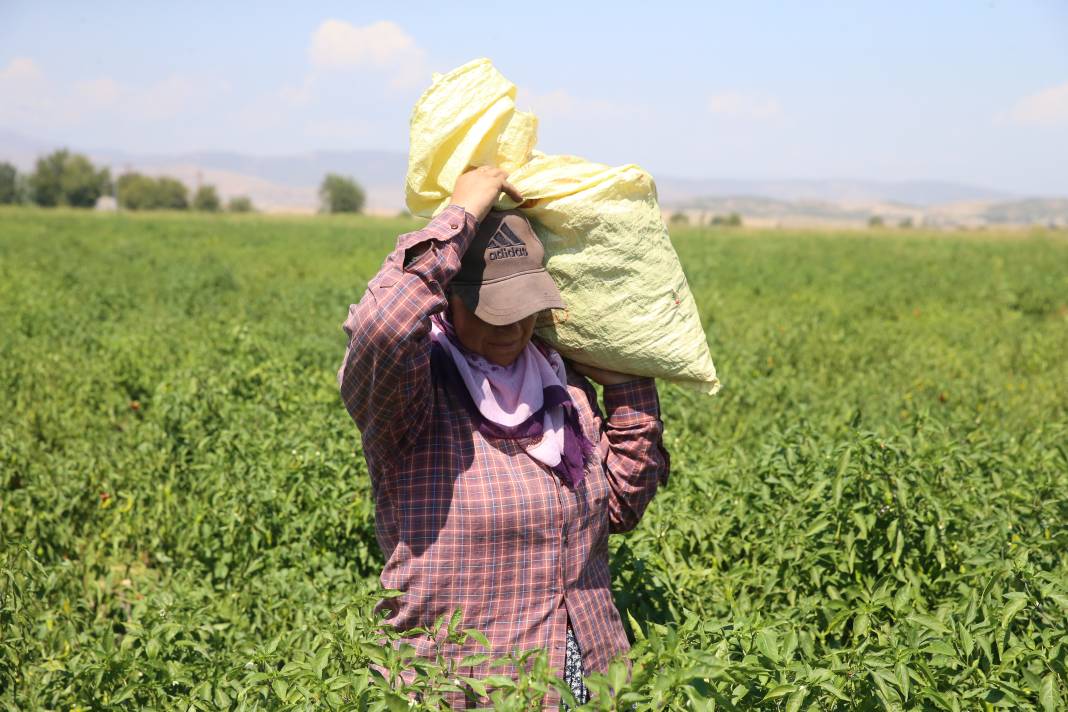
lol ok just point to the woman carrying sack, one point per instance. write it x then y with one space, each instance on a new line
496 477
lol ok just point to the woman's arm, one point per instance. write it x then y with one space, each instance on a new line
385 375
636 461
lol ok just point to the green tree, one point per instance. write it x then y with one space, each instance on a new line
171 194
141 192
65 178
240 204
679 218
340 194
9 184
875 221
206 199
730 220
135 191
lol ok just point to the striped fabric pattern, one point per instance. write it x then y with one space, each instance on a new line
469 522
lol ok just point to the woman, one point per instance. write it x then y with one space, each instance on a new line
496 477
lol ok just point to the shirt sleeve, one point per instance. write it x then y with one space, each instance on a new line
385 376
636 461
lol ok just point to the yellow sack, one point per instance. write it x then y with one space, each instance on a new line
629 308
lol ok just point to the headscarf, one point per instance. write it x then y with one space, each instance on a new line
527 399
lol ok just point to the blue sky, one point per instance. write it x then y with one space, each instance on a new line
965 91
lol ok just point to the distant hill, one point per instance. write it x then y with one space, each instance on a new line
756 210
288 183
771 212
1032 210
372 168
283 183
679 191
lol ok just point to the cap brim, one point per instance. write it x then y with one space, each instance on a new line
509 300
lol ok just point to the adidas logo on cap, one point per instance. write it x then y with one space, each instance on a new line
505 244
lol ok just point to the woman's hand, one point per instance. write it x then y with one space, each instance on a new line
602 375
478 188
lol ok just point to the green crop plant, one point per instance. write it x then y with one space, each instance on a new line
870 516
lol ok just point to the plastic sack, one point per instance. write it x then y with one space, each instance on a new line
629 308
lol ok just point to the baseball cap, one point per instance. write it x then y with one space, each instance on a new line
502 278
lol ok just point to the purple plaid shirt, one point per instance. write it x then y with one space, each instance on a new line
475 523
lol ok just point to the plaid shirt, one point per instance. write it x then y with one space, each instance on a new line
473 523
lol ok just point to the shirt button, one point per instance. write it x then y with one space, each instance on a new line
454 226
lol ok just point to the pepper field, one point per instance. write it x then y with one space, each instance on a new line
873 514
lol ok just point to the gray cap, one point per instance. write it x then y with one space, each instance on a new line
502 277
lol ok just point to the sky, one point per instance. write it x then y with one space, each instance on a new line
973 92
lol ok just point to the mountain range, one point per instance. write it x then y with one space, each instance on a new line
288 183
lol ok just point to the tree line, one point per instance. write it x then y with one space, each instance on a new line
71 180
63 178
681 219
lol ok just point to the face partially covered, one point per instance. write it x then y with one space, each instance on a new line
500 345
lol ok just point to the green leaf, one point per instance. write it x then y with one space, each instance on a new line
502 681
901 674
817 526
321 659
202 691
480 637
835 691
779 691
985 645
1047 693
966 640
1000 698
928 622
940 647
637 629
376 653
789 645
796 700
280 687
617 675
768 643
901 598
477 685
396 703
861 623
222 700
124 695
1013 607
